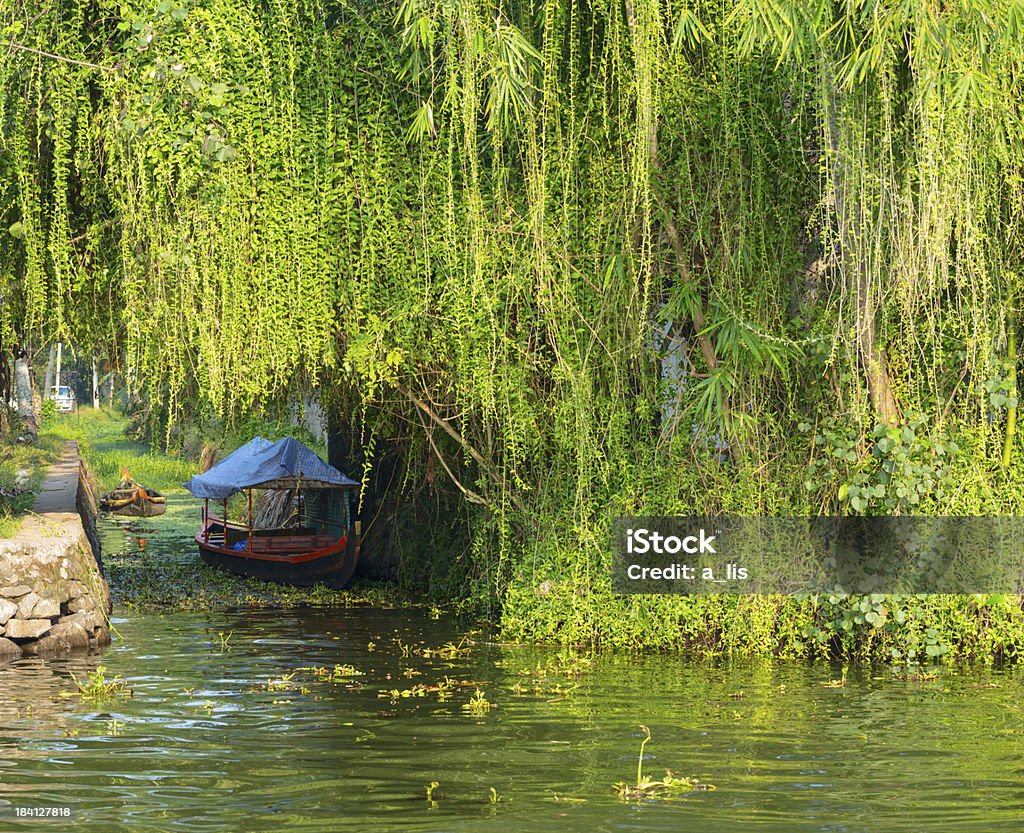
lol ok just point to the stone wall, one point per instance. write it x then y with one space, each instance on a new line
52 595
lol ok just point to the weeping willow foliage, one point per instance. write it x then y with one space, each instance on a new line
488 232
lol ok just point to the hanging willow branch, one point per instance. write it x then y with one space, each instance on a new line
23 48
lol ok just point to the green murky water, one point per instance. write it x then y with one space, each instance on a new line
221 738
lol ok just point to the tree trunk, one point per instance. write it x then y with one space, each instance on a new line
48 384
870 353
876 368
95 385
23 394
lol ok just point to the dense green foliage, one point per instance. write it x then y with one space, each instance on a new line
488 232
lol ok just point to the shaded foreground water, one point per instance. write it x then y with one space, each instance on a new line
231 729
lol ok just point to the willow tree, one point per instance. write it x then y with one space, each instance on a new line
917 107
483 230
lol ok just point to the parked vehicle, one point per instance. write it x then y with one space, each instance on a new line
64 398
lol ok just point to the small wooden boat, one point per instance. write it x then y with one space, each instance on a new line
289 556
129 498
320 541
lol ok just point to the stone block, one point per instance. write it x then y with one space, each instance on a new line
46 609
26 628
8 649
14 590
62 637
7 610
90 620
101 636
26 605
82 603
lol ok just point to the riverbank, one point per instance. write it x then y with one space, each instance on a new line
53 596
152 564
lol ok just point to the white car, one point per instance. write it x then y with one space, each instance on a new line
64 398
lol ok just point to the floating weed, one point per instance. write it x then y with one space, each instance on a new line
447 651
647 787
96 686
115 727
567 799
494 798
340 673
663 788
283 683
443 689
478 705
224 640
840 683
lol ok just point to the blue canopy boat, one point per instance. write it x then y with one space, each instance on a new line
318 543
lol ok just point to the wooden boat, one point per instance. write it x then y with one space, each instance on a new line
320 541
289 556
129 498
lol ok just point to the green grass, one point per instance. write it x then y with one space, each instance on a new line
15 458
102 441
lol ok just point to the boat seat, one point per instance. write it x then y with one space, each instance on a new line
292 543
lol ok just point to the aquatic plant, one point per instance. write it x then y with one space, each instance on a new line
478 705
647 787
96 686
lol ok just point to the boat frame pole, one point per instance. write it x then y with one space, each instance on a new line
206 521
249 492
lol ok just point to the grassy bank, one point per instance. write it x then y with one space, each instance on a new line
17 491
577 606
102 441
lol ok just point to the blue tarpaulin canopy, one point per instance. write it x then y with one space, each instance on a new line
262 464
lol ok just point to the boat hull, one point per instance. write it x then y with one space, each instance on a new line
332 565
133 506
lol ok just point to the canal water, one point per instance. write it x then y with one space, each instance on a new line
324 719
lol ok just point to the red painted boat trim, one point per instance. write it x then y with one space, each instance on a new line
248 555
